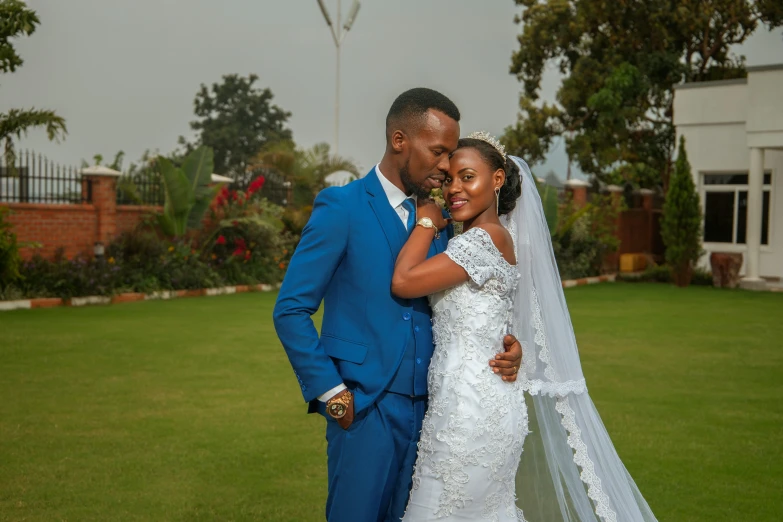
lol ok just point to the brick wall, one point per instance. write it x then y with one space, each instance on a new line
73 227
76 228
128 216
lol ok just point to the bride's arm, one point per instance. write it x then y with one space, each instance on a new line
417 276
414 274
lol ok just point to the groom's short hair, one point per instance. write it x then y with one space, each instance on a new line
410 109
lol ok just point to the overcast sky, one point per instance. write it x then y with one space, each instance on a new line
124 73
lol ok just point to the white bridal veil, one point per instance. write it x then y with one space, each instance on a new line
569 471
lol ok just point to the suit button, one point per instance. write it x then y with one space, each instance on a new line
415 328
418 360
406 316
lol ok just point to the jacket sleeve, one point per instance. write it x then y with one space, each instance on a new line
320 250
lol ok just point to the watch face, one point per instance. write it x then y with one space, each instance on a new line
337 410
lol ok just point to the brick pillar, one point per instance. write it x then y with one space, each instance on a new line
616 191
104 199
578 190
647 199
612 259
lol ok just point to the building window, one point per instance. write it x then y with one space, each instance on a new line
726 208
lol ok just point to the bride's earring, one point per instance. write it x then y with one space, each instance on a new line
497 201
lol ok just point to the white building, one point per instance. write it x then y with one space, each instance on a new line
734 138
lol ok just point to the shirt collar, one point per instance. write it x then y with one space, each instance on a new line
393 193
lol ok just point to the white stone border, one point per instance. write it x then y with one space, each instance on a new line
90 300
23 304
570 283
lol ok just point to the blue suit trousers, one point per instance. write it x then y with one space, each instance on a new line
371 463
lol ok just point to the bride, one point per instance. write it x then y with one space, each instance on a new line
500 276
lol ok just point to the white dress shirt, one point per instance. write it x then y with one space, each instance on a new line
395 197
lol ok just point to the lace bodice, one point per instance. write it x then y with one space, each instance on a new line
487 294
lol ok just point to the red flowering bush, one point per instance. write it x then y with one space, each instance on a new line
246 241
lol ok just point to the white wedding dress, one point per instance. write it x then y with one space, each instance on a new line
470 464
476 423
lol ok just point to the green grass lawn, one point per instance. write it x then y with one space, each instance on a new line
188 411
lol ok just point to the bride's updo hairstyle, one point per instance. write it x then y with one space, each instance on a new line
512 188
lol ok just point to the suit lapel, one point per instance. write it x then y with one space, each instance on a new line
390 222
438 246
391 225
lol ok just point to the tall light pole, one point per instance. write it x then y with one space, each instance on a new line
338 34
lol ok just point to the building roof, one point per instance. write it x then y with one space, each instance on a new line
733 81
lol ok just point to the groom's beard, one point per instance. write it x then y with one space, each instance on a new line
410 186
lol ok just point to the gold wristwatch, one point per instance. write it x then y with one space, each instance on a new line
426 222
337 407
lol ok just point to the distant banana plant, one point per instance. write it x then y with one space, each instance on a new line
188 191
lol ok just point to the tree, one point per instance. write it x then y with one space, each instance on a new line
17 20
710 29
236 120
681 221
620 61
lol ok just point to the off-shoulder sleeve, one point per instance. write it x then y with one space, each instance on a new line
476 253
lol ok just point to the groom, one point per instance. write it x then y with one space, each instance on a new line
367 372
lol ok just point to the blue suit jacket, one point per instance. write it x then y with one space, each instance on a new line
346 258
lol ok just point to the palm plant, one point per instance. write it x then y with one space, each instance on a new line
306 169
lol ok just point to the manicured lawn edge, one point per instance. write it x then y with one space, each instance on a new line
50 302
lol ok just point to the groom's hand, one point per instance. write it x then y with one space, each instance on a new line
507 364
427 207
347 420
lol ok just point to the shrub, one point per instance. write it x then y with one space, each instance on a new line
248 240
681 222
584 236
577 251
9 252
68 278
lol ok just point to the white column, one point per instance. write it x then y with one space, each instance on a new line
753 223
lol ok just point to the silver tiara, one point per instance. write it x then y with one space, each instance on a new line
487 137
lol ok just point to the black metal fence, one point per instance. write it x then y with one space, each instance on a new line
276 188
140 189
35 179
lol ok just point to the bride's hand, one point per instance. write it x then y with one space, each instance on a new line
507 364
426 207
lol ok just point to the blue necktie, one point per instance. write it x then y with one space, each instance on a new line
410 206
